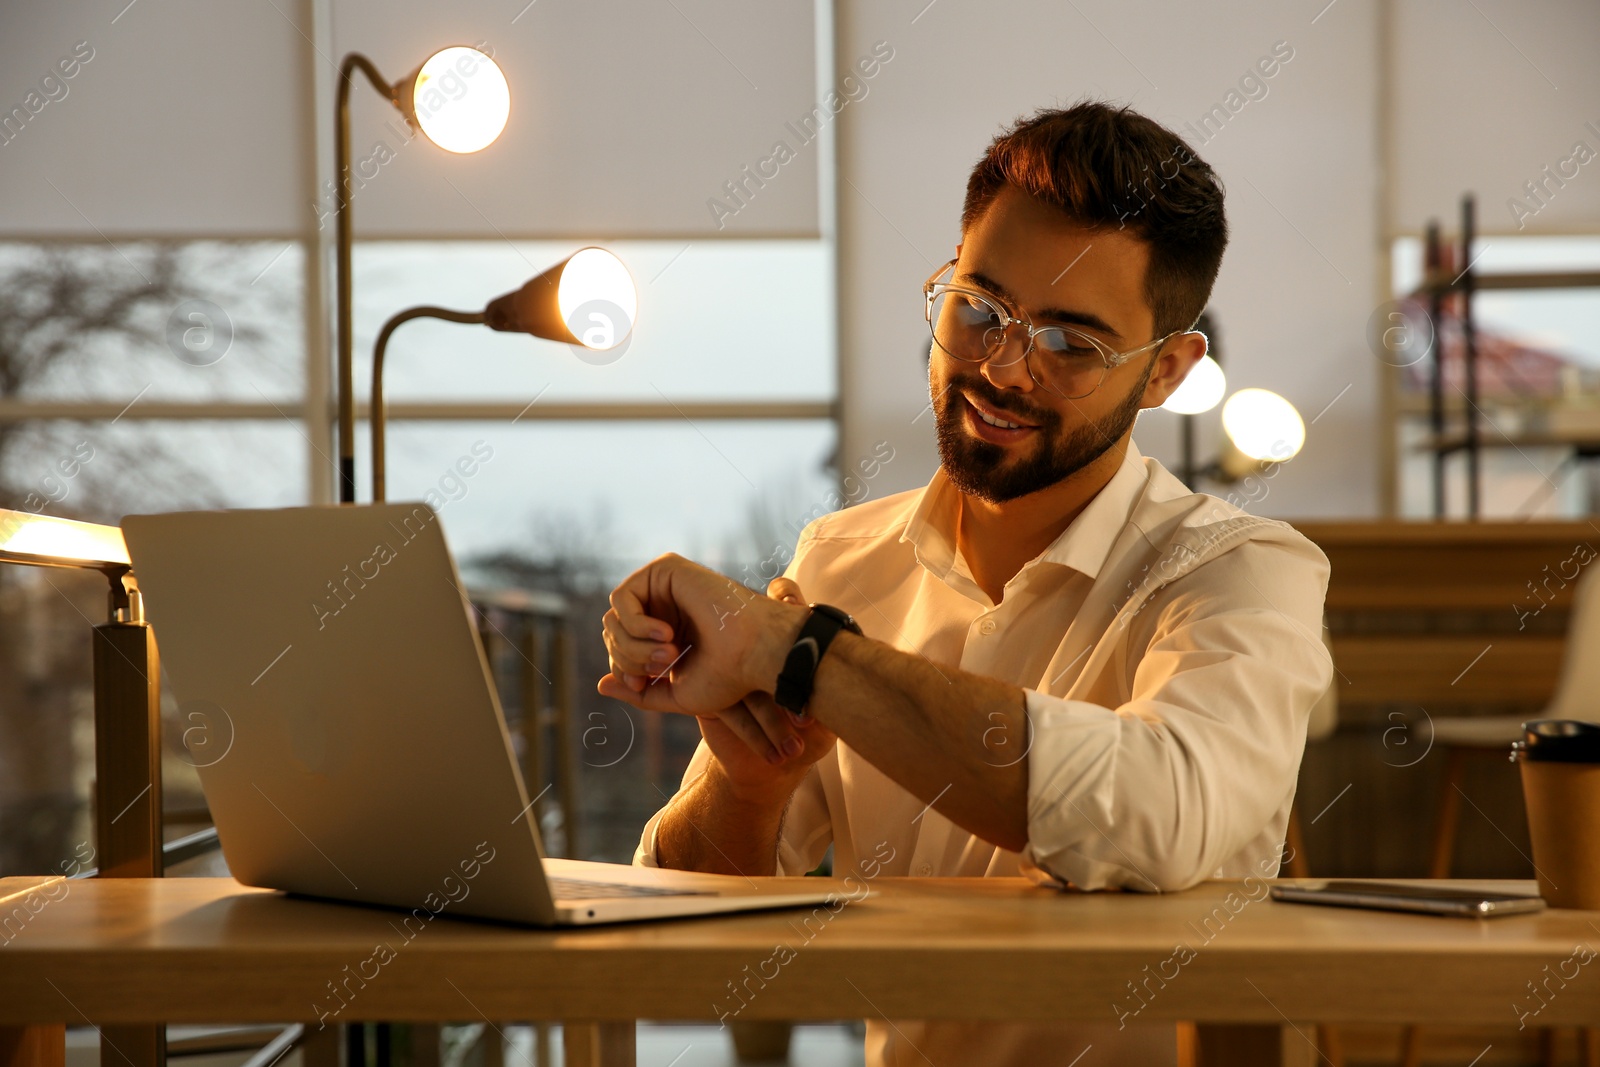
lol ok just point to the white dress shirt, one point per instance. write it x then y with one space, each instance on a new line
1170 649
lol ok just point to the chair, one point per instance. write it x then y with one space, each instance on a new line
1577 696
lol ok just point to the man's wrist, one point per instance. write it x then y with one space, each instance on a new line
779 629
768 798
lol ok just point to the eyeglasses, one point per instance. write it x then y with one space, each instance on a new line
974 326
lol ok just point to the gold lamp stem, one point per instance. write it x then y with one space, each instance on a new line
377 413
341 165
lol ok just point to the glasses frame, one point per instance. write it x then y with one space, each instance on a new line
1110 358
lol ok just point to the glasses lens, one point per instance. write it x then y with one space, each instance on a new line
970 328
1068 363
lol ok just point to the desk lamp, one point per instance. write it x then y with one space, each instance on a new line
1259 427
578 301
459 98
127 706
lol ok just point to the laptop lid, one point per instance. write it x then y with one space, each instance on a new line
353 741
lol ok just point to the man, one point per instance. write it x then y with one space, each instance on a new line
1072 667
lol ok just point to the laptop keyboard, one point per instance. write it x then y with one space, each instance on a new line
579 889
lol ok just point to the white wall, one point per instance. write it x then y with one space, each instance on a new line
1300 166
1486 96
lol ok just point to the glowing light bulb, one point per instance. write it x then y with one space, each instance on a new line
595 275
1263 425
64 539
461 99
1201 390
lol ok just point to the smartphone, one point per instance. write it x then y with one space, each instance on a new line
1431 900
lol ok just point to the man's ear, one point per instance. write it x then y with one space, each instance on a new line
1177 359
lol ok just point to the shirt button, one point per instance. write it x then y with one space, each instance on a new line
925 869
987 626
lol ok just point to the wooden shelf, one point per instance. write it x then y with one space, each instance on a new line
1585 442
1576 279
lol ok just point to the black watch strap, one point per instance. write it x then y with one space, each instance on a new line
799 672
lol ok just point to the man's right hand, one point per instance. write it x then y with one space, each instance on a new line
729 820
756 771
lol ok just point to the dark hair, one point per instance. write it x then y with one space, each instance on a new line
1111 167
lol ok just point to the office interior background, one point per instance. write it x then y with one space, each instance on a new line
780 179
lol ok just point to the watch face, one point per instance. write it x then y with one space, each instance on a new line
843 618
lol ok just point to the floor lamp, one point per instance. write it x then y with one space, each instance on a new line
588 300
460 100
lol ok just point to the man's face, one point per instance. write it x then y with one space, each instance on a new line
1041 262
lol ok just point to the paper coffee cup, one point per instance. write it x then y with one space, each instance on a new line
1561 786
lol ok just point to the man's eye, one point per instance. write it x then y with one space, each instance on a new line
1062 343
973 312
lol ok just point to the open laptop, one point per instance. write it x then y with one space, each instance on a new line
347 730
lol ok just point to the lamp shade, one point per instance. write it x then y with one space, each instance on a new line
588 299
1262 428
46 540
459 98
1200 391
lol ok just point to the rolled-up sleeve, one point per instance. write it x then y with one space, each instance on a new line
807 826
1158 793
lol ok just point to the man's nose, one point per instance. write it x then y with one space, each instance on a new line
1007 368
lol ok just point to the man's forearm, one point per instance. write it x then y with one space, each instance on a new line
712 829
956 739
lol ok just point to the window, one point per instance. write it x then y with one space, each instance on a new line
1539 382
162 375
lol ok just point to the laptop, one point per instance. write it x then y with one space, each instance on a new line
347 732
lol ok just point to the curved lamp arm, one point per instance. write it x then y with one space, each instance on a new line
377 414
354 61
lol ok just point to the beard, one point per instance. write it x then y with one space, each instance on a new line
985 470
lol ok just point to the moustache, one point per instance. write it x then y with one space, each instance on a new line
1001 402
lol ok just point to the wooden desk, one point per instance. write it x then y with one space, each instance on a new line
209 950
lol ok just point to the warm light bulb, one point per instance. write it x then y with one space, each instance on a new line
461 99
60 539
1201 390
1263 425
590 275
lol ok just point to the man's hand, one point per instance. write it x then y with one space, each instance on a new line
729 820
741 740
922 725
685 639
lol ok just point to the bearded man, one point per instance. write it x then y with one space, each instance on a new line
1054 659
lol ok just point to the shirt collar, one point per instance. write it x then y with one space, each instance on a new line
1082 546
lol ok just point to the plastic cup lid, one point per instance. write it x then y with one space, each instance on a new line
1558 741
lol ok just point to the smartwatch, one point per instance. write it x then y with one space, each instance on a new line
799 672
